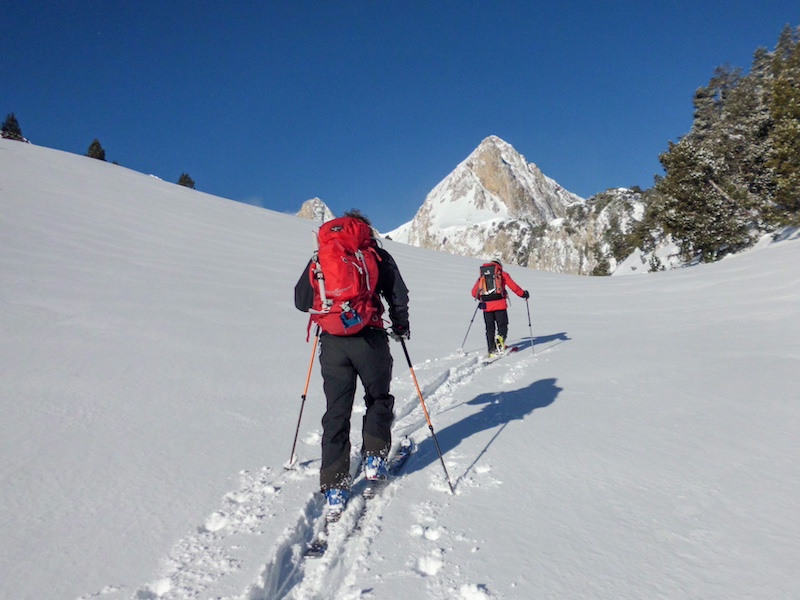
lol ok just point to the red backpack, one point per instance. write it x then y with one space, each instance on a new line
491 285
344 275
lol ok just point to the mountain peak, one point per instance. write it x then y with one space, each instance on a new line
493 140
488 206
315 210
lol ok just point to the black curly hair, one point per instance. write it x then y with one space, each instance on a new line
357 214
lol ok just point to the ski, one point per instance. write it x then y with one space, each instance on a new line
486 360
395 465
316 547
319 545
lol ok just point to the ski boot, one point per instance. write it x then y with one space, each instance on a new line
375 469
336 500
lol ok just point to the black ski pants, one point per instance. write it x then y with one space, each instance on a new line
496 323
342 359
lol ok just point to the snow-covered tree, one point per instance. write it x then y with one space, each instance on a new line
785 112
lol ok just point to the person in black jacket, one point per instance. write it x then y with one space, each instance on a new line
364 355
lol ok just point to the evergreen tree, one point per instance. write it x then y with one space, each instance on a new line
743 140
96 150
785 111
706 217
656 265
709 102
186 181
736 174
786 43
11 129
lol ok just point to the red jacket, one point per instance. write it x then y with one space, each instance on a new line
501 304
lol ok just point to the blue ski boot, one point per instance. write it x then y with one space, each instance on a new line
375 469
337 500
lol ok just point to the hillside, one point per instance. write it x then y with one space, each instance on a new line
151 367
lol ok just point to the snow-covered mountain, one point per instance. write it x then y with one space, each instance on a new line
495 204
641 444
315 210
490 206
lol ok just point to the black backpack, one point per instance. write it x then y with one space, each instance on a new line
491 282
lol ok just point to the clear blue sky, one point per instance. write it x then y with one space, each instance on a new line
370 104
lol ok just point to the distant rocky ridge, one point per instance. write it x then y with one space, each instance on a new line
593 238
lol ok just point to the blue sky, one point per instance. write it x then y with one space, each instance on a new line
370 104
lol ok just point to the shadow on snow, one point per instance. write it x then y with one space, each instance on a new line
499 409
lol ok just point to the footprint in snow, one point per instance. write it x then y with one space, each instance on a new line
429 533
312 438
216 521
471 591
431 565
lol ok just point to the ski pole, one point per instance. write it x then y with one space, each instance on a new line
303 397
530 327
470 327
427 416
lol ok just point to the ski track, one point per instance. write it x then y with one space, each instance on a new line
206 556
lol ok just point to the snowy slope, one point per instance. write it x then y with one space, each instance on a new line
151 366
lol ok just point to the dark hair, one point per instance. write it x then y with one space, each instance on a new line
356 214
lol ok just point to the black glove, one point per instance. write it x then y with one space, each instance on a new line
482 305
525 295
400 332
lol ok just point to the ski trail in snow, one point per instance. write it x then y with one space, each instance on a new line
429 542
337 573
203 558
438 393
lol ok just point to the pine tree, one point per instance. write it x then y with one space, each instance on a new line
186 181
785 111
11 129
743 141
96 151
786 43
709 102
706 216
736 174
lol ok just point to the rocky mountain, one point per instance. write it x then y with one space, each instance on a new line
315 210
488 207
496 205
594 237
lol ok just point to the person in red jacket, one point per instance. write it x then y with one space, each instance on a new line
490 291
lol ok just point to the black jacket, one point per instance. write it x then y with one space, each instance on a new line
390 285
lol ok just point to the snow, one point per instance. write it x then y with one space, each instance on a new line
151 369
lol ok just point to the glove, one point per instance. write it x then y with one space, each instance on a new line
482 305
525 295
400 332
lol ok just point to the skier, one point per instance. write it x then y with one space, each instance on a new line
363 354
490 291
